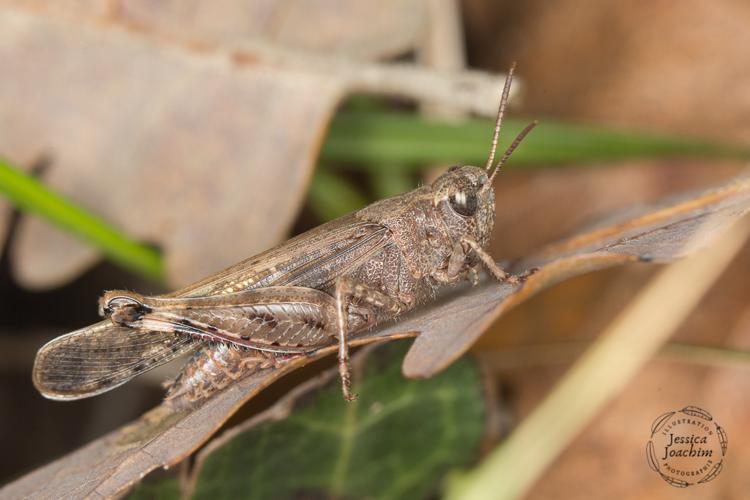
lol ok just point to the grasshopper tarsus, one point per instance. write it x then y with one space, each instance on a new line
528 274
346 380
489 263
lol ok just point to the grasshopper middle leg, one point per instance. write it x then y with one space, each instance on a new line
347 290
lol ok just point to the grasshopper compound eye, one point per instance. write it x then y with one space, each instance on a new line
464 203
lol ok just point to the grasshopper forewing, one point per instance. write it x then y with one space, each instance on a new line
316 290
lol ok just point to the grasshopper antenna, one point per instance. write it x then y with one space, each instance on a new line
513 145
500 113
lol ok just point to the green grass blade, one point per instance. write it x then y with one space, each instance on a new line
391 180
31 196
331 195
373 138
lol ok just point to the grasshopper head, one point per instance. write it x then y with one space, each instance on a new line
465 200
464 195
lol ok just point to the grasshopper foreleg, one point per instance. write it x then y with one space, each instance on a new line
496 271
347 290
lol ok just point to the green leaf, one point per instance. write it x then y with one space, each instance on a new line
163 489
398 440
30 195
372 138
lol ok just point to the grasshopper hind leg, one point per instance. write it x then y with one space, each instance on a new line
348 290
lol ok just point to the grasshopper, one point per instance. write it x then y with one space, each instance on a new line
319 289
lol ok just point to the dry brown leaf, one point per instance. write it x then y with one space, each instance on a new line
552 326
448 328
178 148
537 206
199 143
164 436
361 30
659 234
355 29
531 346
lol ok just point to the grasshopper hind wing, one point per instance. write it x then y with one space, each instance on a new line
100 357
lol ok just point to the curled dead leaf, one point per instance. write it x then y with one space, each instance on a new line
661 233
164 436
